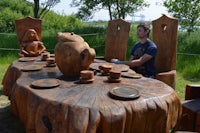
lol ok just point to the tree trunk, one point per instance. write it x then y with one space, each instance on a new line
110 12
36 8
118 10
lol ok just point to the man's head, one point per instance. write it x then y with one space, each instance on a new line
143 31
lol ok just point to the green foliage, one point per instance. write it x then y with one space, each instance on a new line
17 9
9 41
116 9
189 43
189 66
186 11
55 21
11 10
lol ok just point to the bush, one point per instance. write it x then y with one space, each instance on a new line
11 10
189 43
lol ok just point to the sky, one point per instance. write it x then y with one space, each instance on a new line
154 11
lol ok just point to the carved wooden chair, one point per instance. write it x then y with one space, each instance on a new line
117 39
165 37
22 25
190 120
25 24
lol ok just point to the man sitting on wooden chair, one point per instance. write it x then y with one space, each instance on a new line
31 46
143 54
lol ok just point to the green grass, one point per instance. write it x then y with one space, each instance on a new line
187 72
4 64
181 82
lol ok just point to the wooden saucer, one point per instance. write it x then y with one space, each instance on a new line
52 55
104 73
51 65
32 68
45 83
114 80
132 75
83 81
26 59
118 67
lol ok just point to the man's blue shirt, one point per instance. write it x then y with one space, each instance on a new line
147 69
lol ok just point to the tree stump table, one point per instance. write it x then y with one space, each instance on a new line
71 107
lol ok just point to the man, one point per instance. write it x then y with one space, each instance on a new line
143 54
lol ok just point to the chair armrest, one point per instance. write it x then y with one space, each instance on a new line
168 77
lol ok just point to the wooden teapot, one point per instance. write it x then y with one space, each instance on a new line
72 54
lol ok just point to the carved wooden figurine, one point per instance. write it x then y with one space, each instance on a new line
31 45
28 32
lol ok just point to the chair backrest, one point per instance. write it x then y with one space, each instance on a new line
165 36
117 39
22 25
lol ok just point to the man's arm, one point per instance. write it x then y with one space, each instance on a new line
138 62
42 48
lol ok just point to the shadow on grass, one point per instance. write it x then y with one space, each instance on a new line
193 80
1 92
9 123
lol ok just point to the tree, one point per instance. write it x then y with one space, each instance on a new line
187 11
11 10
116 8
46 5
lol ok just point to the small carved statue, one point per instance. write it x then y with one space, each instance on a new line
31 46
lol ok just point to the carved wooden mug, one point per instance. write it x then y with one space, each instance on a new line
72 54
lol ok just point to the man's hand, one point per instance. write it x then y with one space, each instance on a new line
116 61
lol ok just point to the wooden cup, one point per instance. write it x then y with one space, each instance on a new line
114 74
50 61
45 56
106 68
86 74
